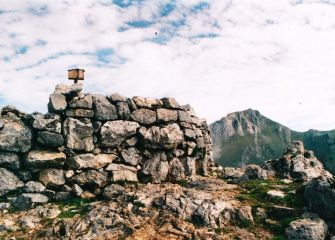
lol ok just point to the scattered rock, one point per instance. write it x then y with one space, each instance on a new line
275 194
34 187
308 229
91 178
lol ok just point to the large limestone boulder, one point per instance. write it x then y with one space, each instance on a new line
91 161
38 159
307 229
155 169
15 136
306 168
168 137
143 102
78 134
104 110
144 116
9 160
8 181
321 203
113 133
52 178
122 172
254 172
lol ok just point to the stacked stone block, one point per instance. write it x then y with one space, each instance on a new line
88 141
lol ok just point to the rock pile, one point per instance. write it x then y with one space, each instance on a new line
87 141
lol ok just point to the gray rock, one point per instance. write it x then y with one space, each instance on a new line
131 104
79 113
78 134
230 173
185 116
69 91
168 137
323 202
28 223
171 103
155 169
190 135
144 116
131 156
189 164
50 139
8 181
295 148
22 203
51 125
38 159
103 109
9 160
253 172
34 187
36 197
281 212
307 229
52 178
15 137
77 190
122 172
123 110
84 102
152 103
113 191
57 103
275 194
11 109
91 178
131 142
166 115
176 170
113 133
115 97
306 168
92 161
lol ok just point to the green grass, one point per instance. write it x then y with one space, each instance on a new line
71 207
255 193
182 182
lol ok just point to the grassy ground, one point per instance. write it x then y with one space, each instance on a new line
255 194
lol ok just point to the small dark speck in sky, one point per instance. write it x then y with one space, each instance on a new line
156 33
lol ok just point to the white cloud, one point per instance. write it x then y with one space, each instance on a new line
274 56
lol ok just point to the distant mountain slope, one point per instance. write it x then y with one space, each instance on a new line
247 137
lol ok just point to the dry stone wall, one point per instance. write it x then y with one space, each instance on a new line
88 141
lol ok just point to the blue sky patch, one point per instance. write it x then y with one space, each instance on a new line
206 35
200 7
140 24
167 9
126 3
40 42
21 50
104 54
39 10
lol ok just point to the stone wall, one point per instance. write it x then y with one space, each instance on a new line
88 141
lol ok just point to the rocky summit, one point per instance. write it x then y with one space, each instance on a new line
112 167
247 137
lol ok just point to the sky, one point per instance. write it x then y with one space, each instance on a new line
220 56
